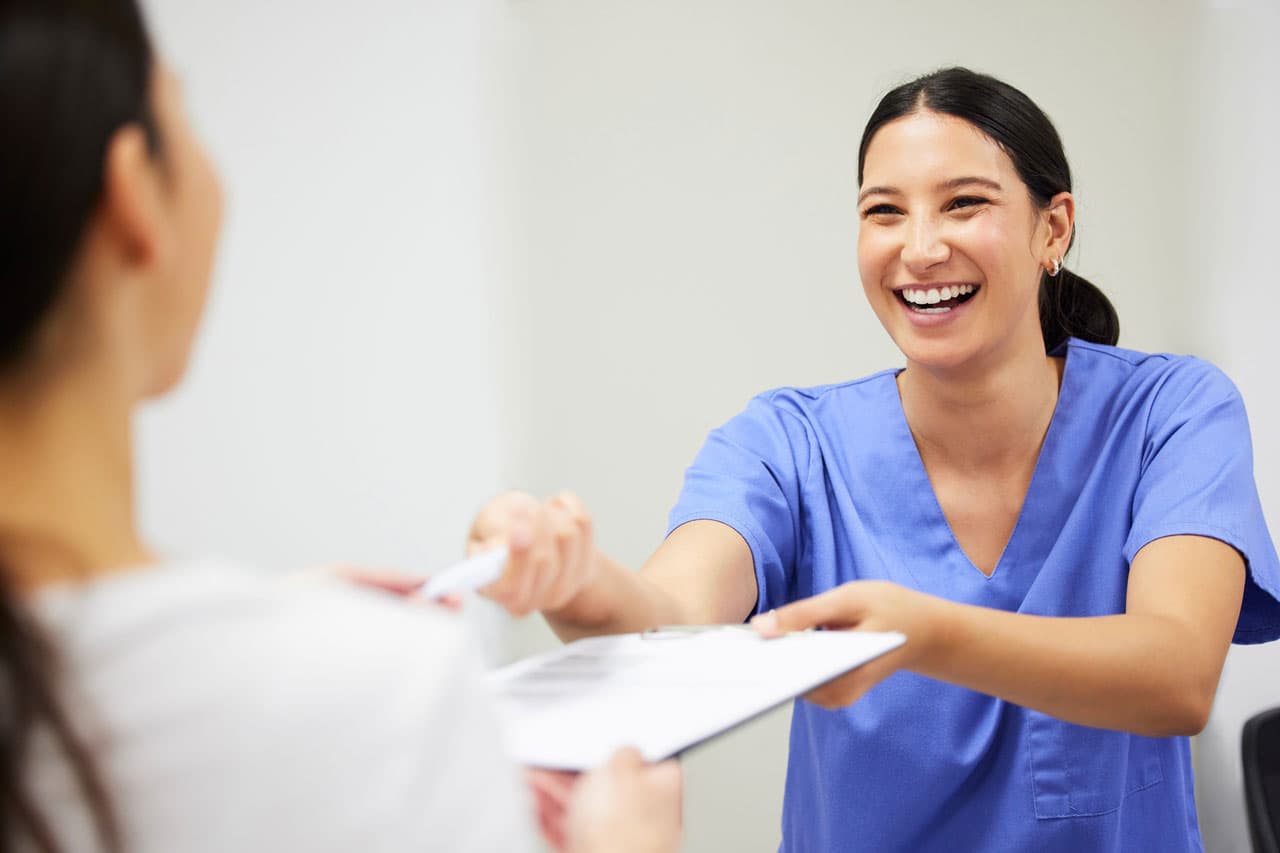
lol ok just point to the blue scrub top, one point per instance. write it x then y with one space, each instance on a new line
826 486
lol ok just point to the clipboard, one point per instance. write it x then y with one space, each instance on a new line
662 692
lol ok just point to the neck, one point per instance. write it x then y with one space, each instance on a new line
987 417
67 496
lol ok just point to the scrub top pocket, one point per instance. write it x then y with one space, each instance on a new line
1077 771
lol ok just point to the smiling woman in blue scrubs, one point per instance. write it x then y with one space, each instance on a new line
1067 532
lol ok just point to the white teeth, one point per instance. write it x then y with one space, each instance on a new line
922 298
934 295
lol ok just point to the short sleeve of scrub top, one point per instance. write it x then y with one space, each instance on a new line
1197 479
826 486
751 474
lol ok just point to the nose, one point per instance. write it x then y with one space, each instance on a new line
923 246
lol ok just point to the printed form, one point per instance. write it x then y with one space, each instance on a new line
662 691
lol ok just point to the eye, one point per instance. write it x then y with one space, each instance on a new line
967 202
880 210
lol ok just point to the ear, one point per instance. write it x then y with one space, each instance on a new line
132 209
1060 217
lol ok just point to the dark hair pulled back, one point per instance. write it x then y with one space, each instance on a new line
72 73
1070 306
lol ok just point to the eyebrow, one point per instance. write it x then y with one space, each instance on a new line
953 183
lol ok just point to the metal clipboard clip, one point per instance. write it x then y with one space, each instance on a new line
683 632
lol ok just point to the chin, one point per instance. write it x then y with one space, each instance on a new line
166 378
942 353
162 389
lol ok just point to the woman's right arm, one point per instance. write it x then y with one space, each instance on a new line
702 573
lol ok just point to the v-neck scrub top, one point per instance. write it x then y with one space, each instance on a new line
826 486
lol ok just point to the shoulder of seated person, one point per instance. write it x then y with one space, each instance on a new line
230 693
332 622
221 623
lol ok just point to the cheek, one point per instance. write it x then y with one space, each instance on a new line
214 199
986 240
203 199
876 254
998 248
202 221
196 220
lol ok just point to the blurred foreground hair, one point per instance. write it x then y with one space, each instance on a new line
72 74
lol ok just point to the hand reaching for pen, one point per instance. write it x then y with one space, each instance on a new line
864 606
552 547
401 584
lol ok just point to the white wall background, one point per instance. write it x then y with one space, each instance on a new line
1234 221
343 400
381 353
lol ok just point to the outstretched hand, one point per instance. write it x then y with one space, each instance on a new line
862 606
552 550
390 581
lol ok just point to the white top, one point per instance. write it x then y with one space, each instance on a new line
233 712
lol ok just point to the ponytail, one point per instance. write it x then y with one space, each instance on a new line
1073 307
29 702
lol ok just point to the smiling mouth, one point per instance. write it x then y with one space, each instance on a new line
936 300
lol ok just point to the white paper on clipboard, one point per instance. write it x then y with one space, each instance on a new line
662 692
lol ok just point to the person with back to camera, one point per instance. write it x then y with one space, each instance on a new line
150 706
1067 533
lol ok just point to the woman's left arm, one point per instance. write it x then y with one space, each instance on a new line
1152 670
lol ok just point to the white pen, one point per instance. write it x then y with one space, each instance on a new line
467 576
